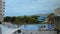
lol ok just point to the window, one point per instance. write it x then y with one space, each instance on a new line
0 10
0 7
0 1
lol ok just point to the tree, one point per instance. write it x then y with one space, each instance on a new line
19 20
13 19
7 19
32 20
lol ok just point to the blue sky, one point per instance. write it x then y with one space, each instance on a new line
30 7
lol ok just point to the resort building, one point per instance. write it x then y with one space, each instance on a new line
57 18
1 9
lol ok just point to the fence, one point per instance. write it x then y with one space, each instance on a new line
10 25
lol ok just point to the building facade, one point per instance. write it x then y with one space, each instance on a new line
0 31
57 11
1 9
57 18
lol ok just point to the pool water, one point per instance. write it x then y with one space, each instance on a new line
37 26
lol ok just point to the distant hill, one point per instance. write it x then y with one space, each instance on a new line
41 14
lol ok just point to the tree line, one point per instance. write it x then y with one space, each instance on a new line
22 19
28 19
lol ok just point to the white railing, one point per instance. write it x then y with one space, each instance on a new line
10 25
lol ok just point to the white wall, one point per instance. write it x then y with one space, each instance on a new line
39 32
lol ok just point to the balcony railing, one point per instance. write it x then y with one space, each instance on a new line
9 25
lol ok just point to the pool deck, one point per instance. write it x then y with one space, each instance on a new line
7 30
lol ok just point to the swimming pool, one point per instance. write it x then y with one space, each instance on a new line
37 26
6 30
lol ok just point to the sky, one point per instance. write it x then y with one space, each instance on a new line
30 7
